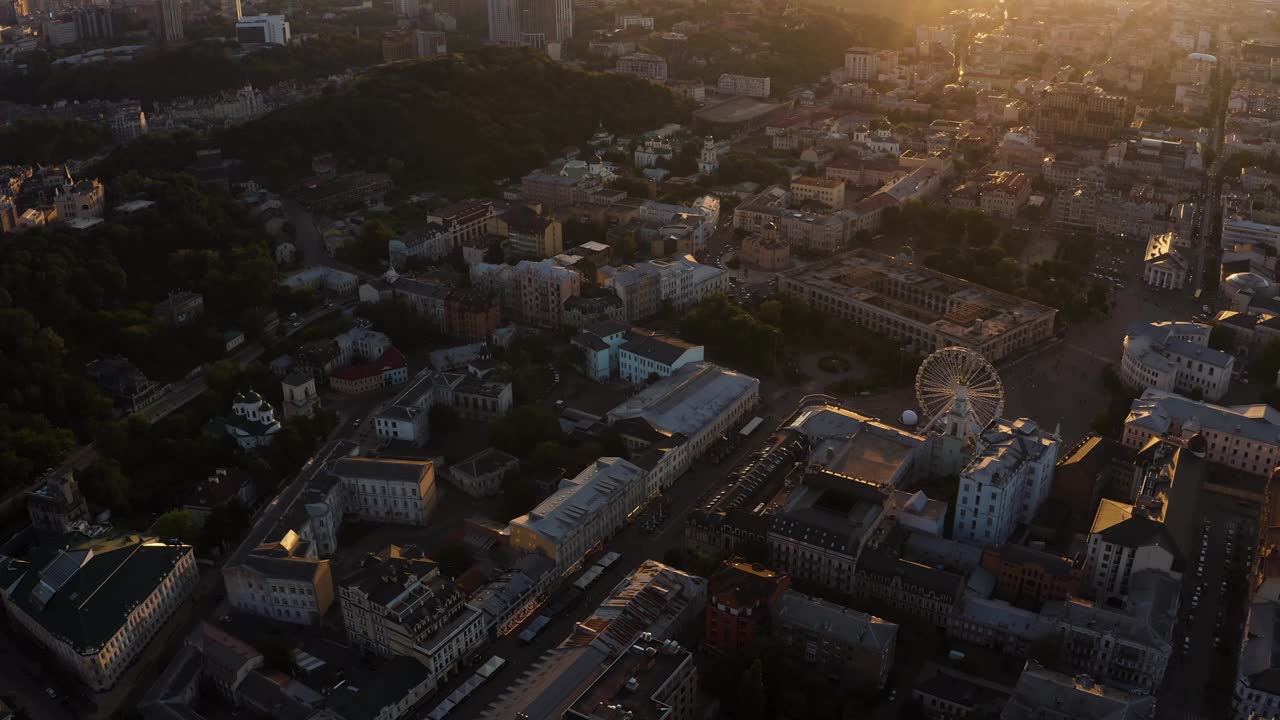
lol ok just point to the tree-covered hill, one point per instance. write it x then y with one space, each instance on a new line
454 123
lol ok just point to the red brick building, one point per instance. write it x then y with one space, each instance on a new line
739 598
1027 577
472 314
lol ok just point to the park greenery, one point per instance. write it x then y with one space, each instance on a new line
492 114
67 298
194 69
969 245
45 140
756 337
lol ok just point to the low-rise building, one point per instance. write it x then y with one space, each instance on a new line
252 423
529 235
95 605
1165 265
386 370
223 488
180 308
853 647
675 420
1042 694
406 418
585 510
481 475
56 505
300 396
124 382
825 190
1175 357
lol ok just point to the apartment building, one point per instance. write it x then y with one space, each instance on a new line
1075 110
924 309
1128 647
541 290
680 280
1006 482
1004 194
730 84
824 190
94 606
854 648
1124 540
462 222
645 65
1028 578
1175 357
741 597
864 64
554 191
529 234
398 604
1244 437
1042 694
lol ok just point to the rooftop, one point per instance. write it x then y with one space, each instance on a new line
1005 447
959 310
827 619
688 400
1160 412
599 484
850 443
82 590
1041 692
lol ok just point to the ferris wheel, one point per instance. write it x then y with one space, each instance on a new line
959 383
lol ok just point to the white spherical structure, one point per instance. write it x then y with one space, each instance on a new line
910 418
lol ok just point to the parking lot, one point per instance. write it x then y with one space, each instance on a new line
1206 639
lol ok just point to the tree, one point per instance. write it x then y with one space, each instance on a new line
519 495
1221 338
443 420
226 524
751 699
520 431
454 559
175 524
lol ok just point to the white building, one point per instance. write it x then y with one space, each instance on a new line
1175 357
280 571
866 64
1006 482
636 355
321 277
585 510
263 30
252 424
94 607
730 84
1123 542
406 418
1245 437
646 65
675 420
1164 265
394 491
